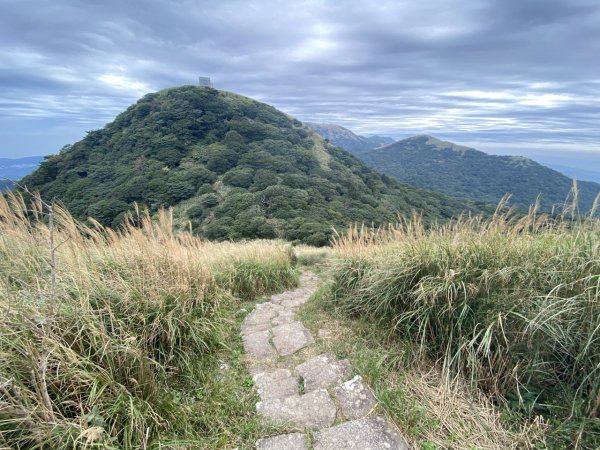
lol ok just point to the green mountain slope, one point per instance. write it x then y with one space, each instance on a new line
451 169
343 137
235 168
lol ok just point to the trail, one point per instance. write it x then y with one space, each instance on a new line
316 394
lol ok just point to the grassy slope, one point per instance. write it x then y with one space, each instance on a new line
512 307
136 345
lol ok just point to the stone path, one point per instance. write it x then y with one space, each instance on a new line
318 396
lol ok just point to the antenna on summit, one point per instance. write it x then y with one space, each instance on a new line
204 81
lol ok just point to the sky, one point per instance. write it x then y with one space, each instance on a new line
504 76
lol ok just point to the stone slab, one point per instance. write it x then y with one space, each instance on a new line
293 441
284 317
355 398
278 383
262 313
291 337
313 410
258 346
370 433
323 371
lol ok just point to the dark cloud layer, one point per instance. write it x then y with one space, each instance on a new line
522 74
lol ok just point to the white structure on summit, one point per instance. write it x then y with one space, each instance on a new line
204 81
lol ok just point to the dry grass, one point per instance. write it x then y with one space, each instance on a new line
509 304
99 331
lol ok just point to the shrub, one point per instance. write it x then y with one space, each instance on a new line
511 304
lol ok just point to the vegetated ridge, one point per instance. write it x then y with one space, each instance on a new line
343 137
463 172
233 167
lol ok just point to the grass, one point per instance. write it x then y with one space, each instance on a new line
430 413
509 304
125 339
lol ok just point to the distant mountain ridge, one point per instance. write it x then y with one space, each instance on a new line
13 169
464 172
343 137
232 168
17 168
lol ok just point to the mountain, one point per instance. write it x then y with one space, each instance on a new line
233 167
5 185
15 169
463 172
342 137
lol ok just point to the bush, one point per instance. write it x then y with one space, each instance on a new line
512 305
113 341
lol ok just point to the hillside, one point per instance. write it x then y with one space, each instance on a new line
342 137
233 167
463 172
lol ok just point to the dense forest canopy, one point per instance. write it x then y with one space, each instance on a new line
233 167
464 172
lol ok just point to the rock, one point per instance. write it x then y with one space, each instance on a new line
370 433
263 313
291 337
293 441
276 384
323 371
313 410
355 398
258 346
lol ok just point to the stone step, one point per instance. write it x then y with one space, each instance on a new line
323 371
355 398
370 433
258 345
293 441
291 337
278 383
313 410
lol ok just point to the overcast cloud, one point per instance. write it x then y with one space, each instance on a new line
497 74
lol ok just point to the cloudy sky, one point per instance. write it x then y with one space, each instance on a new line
501 75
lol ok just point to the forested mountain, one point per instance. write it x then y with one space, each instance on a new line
15 169
342 137
424 161
235 168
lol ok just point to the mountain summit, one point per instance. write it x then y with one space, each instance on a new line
232 167
464 172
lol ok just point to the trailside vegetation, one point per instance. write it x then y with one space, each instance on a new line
110 339
232 167
509 304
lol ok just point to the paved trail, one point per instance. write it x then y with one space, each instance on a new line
316 394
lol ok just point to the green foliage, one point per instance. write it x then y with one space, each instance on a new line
236 168
512 306
467 173
135 344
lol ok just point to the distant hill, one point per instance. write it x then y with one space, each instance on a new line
233 167
342 137
17 168
5 185
427 162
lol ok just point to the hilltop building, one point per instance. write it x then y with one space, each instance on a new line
204 81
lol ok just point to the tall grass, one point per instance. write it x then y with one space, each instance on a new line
511 304
96 358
